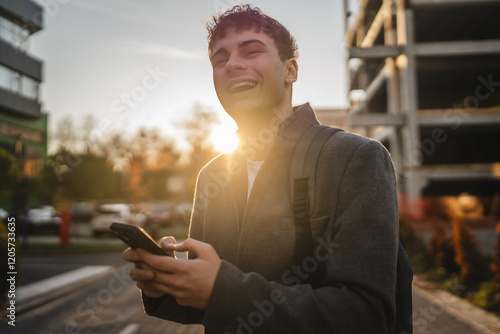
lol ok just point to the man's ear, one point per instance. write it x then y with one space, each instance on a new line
292 71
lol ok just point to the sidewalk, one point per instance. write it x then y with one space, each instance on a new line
438 311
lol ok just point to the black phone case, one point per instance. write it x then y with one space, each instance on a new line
136 237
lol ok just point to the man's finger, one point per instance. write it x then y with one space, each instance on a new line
138 274
131 255
161 263
201 249
168 243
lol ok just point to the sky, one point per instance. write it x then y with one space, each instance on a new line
134 63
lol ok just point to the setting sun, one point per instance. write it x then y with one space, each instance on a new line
224 138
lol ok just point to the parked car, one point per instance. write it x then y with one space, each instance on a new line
160 213
106 214
81 212
43 219
3 215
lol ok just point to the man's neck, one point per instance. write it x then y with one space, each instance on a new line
258 137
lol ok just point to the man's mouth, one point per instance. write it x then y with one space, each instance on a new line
241 87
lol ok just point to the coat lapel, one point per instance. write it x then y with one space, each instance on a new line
260 187
289 131
239 186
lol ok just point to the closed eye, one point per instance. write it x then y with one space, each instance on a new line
253 52
219 61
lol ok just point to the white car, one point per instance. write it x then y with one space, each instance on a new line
43 219
3 215
106 214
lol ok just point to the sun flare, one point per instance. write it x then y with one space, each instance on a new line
224 139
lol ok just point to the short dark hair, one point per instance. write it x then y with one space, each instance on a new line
243 17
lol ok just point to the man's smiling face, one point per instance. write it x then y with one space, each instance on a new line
249 77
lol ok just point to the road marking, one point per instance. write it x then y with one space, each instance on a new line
130 329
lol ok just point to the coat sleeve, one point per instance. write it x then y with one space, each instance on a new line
356 256
167 307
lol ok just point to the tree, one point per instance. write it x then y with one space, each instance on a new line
90 142
151 162
9 173
4 283
116 149
155 183
495 265
86 138
85 155
64 136
198 128
82 176
473 264
441 248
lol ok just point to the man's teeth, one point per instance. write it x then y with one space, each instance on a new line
242 85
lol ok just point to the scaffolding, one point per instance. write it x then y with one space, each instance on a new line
425 81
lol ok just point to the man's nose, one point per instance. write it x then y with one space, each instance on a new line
235 63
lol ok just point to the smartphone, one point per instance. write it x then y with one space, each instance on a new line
136 237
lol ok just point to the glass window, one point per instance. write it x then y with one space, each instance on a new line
4 77
14 34
15 82
23 41
8 32
29 87
12 130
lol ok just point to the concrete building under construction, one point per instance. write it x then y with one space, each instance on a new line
425 81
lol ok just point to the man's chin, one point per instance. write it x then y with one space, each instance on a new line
251 110
241 111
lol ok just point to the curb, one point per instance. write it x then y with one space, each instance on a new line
35 294
478 318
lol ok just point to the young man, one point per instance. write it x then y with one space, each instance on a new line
241 276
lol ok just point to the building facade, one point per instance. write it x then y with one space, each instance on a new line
23 125
425 81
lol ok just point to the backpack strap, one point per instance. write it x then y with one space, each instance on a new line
302 176
404 308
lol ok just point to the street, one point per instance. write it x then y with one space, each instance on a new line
110 306
113 305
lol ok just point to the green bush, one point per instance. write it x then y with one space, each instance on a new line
3 262
439 275
486 297
412 244
456 285
421 262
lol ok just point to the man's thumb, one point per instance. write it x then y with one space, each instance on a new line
168 244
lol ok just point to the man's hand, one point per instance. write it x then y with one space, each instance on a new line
142 273
189 281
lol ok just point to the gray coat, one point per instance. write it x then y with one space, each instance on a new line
258 288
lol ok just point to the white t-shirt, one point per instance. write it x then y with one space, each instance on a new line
253 168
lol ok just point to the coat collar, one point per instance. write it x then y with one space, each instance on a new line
292 127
